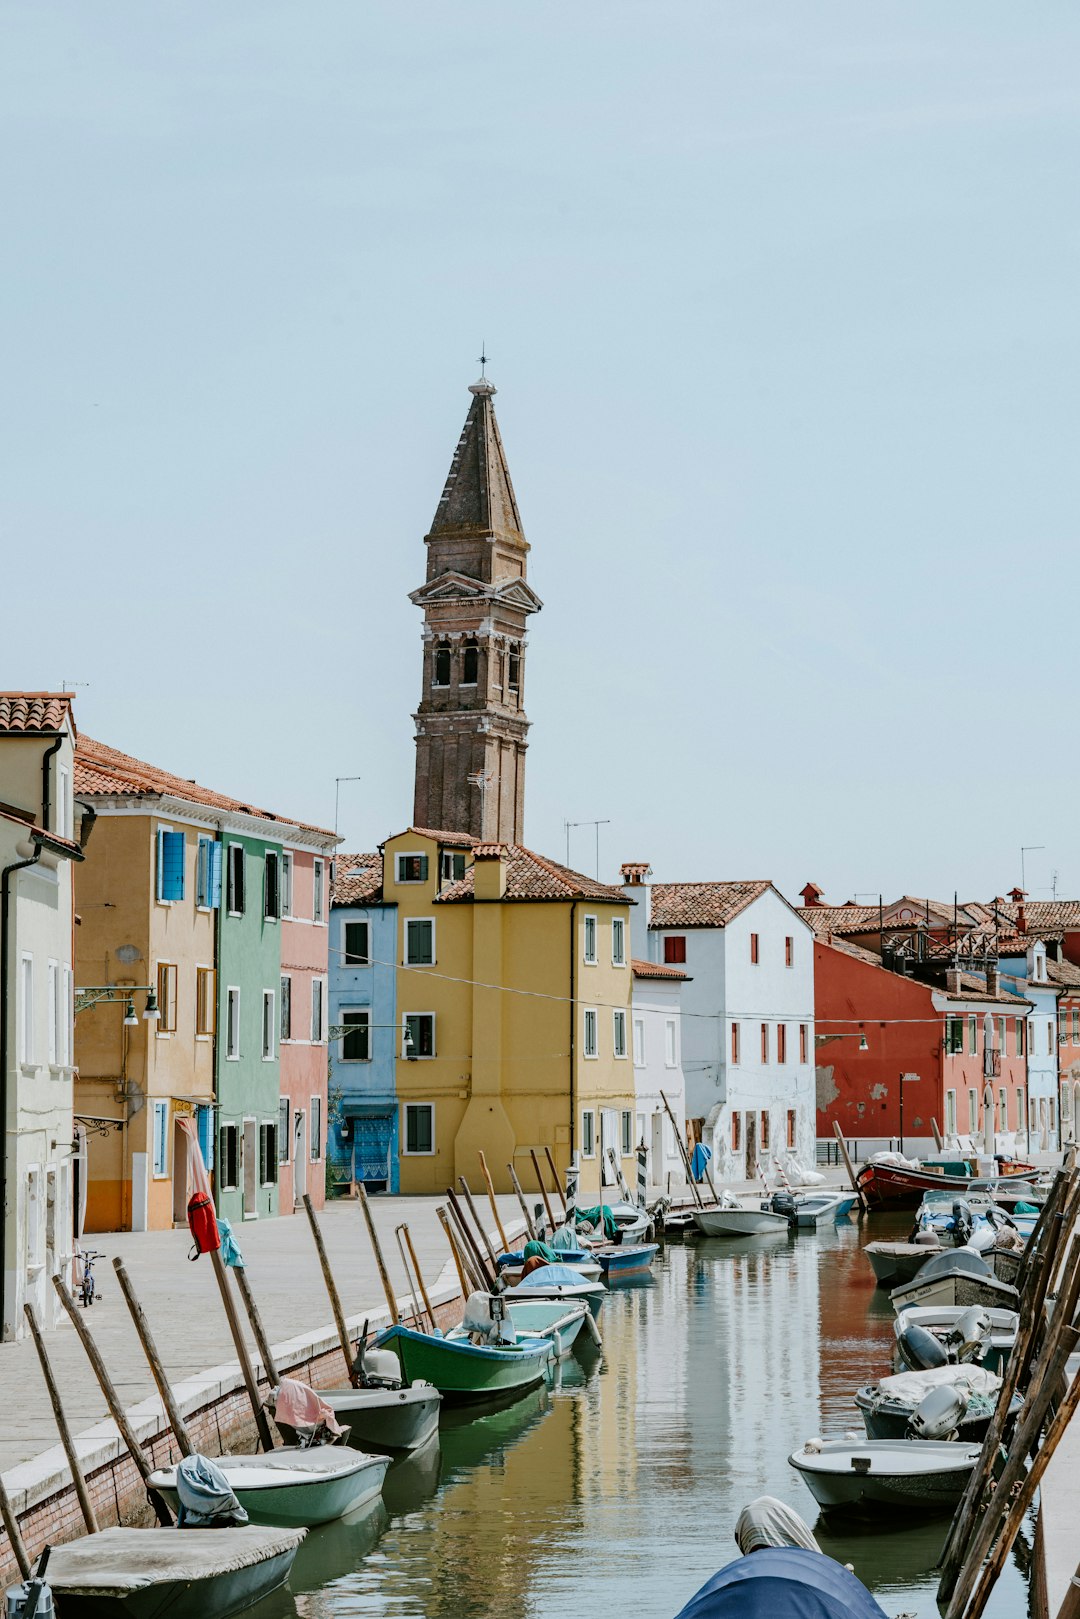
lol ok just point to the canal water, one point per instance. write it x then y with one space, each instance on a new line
616 1492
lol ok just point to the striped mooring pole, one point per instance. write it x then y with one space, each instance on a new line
573 1173
642 1178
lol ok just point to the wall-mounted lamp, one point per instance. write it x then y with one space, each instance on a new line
90 995
130 1020
823 1039
150 1011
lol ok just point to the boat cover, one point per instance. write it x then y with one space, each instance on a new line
783 1583
600 1215
953 1262
552 1276
768 1522
115 1562
908 1388
205 1494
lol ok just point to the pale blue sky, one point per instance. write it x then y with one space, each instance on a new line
782 299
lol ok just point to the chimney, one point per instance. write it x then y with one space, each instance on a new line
489 871
634 873
952 981
993 980
812 894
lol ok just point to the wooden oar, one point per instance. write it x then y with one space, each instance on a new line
157 1368
331 1286
60 1414
543 1188
494 1206
516 1184
555 1178
384 1274
11 1524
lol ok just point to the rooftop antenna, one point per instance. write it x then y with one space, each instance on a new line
597 824
73 685
337 795
1053 884
1026 849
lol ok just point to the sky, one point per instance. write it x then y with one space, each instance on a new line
781 304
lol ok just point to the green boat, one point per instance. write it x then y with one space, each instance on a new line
466 1371
295 1487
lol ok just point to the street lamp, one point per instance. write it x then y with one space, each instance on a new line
823 1039
98 994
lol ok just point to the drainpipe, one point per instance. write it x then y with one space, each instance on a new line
46 820
5 1039
573 1027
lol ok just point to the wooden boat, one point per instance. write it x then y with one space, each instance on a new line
888 1405
577 1259
169 1573
894 1186
894 1263
297 1487
550 1318
733 1219
782 1582
628 1259
557 1283
925 1477
955 1277
466 1371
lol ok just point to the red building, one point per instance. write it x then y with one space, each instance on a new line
1067 977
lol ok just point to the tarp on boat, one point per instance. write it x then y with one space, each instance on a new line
783 1583
116 1562
768 1522
600 1215
553 1276
908 1388
205 1495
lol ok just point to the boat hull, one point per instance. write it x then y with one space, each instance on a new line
392 1421
740 1223
562 1325
889 1186
956 1291
463 1371
298 1502
630 1260
895 1263
90 1593
925 1478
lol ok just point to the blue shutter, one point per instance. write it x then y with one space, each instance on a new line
205 1120
215 875
161 1125
171 865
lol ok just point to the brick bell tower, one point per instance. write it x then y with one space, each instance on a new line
471 730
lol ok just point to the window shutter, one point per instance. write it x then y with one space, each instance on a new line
423 864
213 887
171 866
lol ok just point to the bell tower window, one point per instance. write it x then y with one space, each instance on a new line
441 676
470 664
515 669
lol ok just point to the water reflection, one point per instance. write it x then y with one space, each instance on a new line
620 1485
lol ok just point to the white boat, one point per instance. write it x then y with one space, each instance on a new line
557 1319
806 1208
556 1283
869 1476
296 1487
955 1276
731 1218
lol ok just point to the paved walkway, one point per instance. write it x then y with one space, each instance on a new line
183 1307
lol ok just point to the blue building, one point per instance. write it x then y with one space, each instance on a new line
1023 970
363 1137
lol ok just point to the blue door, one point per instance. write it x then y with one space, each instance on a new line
373 1148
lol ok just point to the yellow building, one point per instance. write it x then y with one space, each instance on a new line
513 997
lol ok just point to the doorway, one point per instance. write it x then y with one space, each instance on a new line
180 1175
299 1156
249 1154
750 1120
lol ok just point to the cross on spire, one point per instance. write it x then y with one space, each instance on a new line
484 358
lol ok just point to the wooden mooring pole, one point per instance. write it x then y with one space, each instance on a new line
331 1285
150 1350
247 1370
66 1438
11 1524
384 1274
491 1198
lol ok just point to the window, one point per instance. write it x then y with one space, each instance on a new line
317 892
626 1142
286 898
1019 1108
170 865
781 1042
1049 1037
412 868
804 1042
419 1128
671 1053
285 1026
618 1018
161 1139
53 970
588 1134
590 940
204 1129
205 999
268 1154
234 885
791 1128
441 665
763 1127
26 1023
63 801
618 942
232 1024
589 1045
1076 1025
419 941
207 874
228 1158
453 865
736 1131
755 949
317 1021
1001 1035
356 1042
674 949
973 1035
735 1043
1003 1108
418 1038
954 1036
1020 1026
66 1031
316 1129
973 1111
267 1025
283 1131
1050 1108
166 997
950 1113
789 951
639 1042
470 664
515 669
272 886
764 1042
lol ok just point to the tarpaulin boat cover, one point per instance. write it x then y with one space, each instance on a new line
205 1495
908 1388
600 1215
783 1583
115 1562
768 1522
553 1276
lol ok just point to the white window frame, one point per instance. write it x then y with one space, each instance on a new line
67 1013
27 1044
950 1113
450 858
161 1109
202 842
318 1036
618 1031
316 1126
268 914
53 975
318 893
639 1042
161 828
589 925
973 1111
353 1011
588 1132
415 1152
200 968
618 931
223 1157
232 999
285 1125
418 921
268 1161
409 854
417 1057
671 1043
227 896
286 1039
590 1021
269 999
285 893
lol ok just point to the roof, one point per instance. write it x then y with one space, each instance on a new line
703 905
840 918
656 969
35 711
451 840
1063 973
478 494
103 772
855 951
529 876
39 834
974 989
1044 913
357 879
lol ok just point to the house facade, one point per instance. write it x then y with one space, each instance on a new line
1023 967
363 1140
1067 978
748 1014
656 1045
303 1011
40 843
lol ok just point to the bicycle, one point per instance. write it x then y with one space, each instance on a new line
87 1286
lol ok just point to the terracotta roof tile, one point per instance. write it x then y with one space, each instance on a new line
974 989
529 876
855 951
105 772
30 711
840 918
1063 973
702 905
357 879
656 969
489 851
1045 913
452 840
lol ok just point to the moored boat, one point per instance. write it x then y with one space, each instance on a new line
955 1277
557 1282
462 1370
899 1186
628 1259
925 1477
807 1208
888 1405
550 1318
788 1582
894 1263
297 1487
729 1218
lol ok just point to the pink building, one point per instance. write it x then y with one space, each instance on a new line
304 1004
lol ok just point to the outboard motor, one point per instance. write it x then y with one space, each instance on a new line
966 1338
33 1599
939 1414
782 1203
374 1368
962 1224
920 1350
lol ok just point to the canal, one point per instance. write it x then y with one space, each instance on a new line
617 1491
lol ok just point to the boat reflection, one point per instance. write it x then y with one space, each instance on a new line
413 1479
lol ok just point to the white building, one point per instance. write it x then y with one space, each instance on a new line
656 1022
747 1013
37 847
